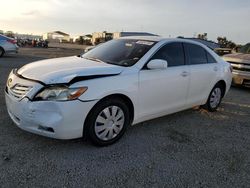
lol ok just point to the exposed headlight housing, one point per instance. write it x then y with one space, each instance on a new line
60 93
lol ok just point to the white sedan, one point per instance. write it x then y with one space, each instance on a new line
119 83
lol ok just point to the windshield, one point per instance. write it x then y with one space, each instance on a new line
122 52
245 49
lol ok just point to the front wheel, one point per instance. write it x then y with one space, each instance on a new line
107 122
214 98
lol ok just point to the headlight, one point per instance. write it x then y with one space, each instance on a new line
60 93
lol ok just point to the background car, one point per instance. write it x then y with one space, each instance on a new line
7 45
240 63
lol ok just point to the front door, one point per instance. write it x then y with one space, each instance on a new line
164 91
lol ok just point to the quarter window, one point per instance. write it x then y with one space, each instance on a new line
196 54
172 53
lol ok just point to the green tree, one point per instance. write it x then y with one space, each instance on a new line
225 43
202 36
80 41
10 34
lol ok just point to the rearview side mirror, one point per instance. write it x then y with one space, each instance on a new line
157 64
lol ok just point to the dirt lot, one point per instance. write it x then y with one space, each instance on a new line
192 148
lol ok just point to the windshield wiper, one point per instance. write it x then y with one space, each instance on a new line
94 59
98 60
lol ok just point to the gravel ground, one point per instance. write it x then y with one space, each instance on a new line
193 148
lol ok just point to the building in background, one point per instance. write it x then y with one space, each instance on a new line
56 36
20 36
83 39
100 37
28 36
117 35
9 34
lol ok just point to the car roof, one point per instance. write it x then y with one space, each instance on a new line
150 38
159 39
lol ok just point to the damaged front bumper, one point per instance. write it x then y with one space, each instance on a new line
60 120
55 119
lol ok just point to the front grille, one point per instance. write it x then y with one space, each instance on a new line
246 83
241 69
240 66
19 91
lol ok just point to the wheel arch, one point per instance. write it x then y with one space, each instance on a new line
223 84
123 97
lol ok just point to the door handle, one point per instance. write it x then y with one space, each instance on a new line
215 69
184 74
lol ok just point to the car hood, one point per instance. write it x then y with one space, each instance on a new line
237 58
64 70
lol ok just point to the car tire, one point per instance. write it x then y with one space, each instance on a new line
214 98
107 121
1 51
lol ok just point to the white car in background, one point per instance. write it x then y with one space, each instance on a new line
119 83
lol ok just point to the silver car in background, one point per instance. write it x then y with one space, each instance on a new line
7 45
240 63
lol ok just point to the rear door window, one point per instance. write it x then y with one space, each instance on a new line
196 54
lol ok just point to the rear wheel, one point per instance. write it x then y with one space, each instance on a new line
214 98
1 51
107 121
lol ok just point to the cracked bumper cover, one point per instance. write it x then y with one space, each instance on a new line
60 120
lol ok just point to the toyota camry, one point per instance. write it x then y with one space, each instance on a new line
119 83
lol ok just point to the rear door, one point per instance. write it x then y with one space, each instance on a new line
164 91
203 73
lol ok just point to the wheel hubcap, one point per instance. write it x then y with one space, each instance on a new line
215 98
109 123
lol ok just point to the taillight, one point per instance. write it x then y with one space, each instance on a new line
12 41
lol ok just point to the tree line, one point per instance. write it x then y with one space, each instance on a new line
222 41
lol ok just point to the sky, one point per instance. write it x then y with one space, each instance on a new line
168 18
